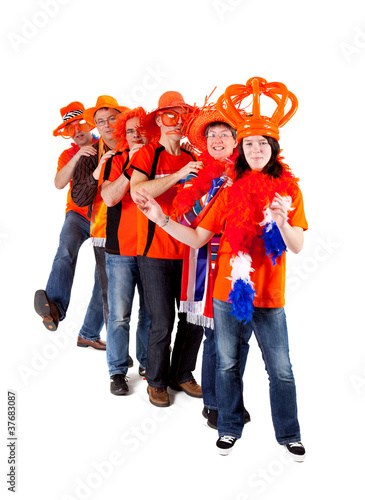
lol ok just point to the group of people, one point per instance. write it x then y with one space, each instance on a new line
201 228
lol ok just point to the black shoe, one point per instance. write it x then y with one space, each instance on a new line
142 371
47 310
225 444
296 451
211 416
246 416
130 362
118 384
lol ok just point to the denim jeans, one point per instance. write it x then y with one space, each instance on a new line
75 230
269 326
94 317
123 278
161 280
99 253
209 367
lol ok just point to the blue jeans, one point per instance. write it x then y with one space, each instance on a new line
75 231
94 317
100 261
161 279
209 367
269 326
123 277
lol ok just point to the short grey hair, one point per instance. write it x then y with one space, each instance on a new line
227 125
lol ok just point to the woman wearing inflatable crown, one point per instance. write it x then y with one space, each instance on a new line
261 216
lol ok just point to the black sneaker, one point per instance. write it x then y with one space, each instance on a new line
246 416
142 371
118 384
296 451
211 416
225 444
130 362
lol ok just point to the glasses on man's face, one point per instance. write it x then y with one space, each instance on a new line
102 123
132 131
171 118
70 130
223 135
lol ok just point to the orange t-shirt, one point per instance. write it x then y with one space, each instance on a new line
269 280
64 158
154 161
121 223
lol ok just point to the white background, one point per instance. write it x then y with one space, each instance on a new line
76 440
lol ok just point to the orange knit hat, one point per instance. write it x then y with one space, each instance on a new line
71 112
229 105
103 101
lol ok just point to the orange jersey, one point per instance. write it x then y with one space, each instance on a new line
269 280
121 223
154 161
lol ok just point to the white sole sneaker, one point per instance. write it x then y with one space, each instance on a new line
295 456
229 440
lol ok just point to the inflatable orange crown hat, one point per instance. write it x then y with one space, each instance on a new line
254 123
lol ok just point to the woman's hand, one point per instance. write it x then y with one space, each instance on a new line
149 206
279 210
292 235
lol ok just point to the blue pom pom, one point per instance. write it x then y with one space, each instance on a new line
273 241
241 298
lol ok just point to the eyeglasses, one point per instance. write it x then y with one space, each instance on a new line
171 118
223 135
70 130
111 120
132 131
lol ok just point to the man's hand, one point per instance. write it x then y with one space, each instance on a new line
103 159
192 167
136 147
85 151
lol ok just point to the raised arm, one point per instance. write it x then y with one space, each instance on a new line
195 238
66 173
156 187
113 192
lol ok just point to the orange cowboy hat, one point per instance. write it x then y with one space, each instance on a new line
103 101
195 130
71 112
170 99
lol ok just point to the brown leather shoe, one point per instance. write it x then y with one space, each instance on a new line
47 310
100 345
158 396
191 388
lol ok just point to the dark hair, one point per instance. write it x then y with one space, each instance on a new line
273 168
227 125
